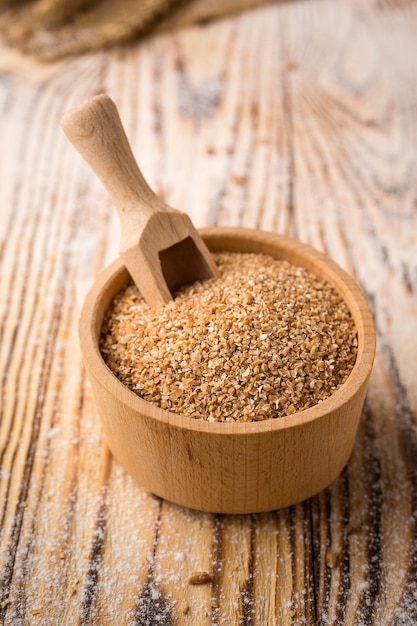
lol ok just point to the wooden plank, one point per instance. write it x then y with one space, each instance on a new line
364 524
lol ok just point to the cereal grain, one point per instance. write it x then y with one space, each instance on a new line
264 340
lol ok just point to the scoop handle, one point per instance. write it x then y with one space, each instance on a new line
96 131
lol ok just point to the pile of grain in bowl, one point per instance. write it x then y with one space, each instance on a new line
264 340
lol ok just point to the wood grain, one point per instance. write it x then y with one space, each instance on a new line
297 118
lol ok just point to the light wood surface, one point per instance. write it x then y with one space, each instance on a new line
298 118
159 245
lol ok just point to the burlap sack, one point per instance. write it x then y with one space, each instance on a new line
51 29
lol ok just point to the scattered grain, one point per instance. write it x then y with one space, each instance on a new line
265 340
34 611
331 559
185 608
200 578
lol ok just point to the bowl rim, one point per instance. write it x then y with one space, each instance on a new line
94 308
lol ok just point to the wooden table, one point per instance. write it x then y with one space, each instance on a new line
299 118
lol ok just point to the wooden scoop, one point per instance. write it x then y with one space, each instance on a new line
159 245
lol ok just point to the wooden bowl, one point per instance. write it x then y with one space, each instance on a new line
231 467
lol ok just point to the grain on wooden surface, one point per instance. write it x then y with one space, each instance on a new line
264 340
301 120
